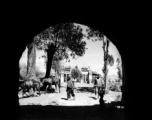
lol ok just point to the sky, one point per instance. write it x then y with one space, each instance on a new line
93 57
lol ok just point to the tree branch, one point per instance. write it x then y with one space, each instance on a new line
55 44
57 48
60 49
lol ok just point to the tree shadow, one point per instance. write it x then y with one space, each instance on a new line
64 98
25 97
94 98
42 89
31 112
30 96
85 89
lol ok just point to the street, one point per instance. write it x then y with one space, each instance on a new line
56 106
83 97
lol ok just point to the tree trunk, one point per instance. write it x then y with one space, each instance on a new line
106 69
31 61
50 54
105 49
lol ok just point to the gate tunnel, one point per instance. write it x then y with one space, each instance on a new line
123 84
33 29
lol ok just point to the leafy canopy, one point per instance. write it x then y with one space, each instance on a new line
110 60
75 72
119 69
61 39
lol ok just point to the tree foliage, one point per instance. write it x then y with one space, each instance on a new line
110 60
63 38
38 73
119 69
59 40
106 56
75 73
93 34
31 62
23 71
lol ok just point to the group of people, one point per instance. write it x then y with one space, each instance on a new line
98 87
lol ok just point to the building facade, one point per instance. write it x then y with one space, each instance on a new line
87 74
65 72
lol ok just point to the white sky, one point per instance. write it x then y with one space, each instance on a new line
93 57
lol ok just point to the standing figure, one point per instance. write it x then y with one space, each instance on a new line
70 88
101 93
95 86
98 86
74 82
101 100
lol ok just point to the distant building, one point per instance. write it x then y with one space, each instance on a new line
84 72
65 72
87 74
94 75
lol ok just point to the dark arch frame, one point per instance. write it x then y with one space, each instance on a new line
32 28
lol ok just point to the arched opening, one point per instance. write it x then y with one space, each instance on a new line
87 71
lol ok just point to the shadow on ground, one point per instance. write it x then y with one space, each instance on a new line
64 98
35 112
85 89
93 98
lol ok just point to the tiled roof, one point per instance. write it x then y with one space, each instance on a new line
67 69
94 72
84 69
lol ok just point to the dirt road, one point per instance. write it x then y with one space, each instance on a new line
84 96
54 106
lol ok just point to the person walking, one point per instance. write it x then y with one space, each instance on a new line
74 82
70 88
100 86
101 93
95 86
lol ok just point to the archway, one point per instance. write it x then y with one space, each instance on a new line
96 36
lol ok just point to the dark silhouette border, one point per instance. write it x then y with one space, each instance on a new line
25 26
